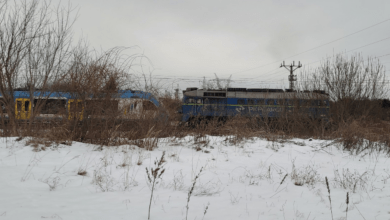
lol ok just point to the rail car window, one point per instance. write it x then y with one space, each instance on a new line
199 101
3 106
241 102
190 101
19 105
127 108
278 101
288 102
99 107
52 106
270 102
146 105
26 105
251 101
133 106
75 106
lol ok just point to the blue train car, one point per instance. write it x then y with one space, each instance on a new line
57 104
271 103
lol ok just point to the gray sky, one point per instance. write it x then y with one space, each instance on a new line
187 40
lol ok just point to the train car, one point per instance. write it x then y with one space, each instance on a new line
58 105
270 103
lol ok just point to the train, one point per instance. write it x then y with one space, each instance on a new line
196 103
253 102
129 104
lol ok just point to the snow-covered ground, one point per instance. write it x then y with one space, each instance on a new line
238 181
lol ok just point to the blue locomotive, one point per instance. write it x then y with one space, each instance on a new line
264 103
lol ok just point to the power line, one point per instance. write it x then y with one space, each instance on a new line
383 55
361 30
356 49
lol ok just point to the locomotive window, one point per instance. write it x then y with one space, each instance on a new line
199 101
288 102
325 103
214 94
190 101
241 101
278 101
260 102
251 102
270 102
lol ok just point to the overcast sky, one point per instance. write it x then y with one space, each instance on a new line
187 40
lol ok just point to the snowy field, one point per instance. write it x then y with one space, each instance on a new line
240 180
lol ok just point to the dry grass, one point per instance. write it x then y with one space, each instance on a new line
360 131
357 135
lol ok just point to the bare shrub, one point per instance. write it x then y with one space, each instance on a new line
38 144
305 175
178 180
351 180
234 199
127 179
208 188
103 179
365 136
52 182
254 177
191 190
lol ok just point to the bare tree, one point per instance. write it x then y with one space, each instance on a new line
350 82
34 44
92 72
216 83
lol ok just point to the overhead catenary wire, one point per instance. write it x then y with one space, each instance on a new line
314 48
378 41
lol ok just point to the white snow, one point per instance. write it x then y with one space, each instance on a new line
239 181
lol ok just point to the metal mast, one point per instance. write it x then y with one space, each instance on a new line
291 68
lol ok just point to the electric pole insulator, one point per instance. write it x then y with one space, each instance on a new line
292 78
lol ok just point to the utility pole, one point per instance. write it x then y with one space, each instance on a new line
177 92
290 68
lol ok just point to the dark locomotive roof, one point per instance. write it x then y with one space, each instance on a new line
236 89
267 90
